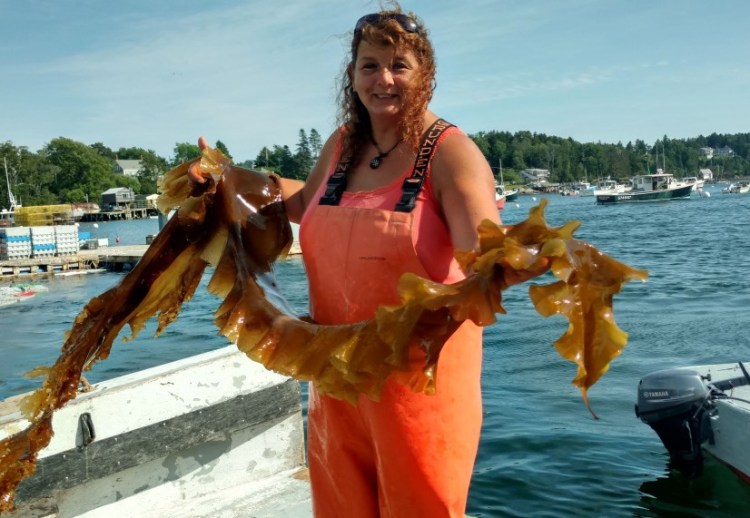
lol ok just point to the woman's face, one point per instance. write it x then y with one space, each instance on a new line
382 76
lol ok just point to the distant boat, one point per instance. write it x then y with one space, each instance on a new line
19 292
609 186
583 188
7 217
501 193
649 187
736 188
698 184
499 198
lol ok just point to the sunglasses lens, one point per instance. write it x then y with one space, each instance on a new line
406 23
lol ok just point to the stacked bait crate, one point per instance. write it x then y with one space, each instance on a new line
66 240
43 242
15 243
38 242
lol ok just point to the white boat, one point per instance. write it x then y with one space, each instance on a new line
699 409
501 193
19 292
737 188
697 183
212 435
648 187
583 188
7 218
7 215
608 186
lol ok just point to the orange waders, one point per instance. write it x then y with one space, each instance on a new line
409 455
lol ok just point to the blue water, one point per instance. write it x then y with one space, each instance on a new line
541 453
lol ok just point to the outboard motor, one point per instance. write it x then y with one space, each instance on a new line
677 404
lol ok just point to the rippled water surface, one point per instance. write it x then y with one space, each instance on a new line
541 453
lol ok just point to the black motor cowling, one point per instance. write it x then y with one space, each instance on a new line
676 403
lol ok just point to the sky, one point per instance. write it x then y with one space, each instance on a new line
154 73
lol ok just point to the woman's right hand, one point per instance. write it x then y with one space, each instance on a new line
194 171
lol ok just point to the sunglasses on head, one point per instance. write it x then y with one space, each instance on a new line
406 22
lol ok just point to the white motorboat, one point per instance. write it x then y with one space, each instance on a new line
697 183
583 188
697 409
736 188
609 186
648 187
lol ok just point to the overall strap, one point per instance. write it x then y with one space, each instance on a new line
336 184
413 184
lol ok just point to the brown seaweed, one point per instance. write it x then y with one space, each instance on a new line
235 222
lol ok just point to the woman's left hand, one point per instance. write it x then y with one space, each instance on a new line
194 171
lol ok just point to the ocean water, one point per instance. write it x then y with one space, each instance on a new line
541 453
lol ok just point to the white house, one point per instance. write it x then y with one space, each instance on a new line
706 175
128 167
535 176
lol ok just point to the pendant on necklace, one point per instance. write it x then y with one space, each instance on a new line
378 159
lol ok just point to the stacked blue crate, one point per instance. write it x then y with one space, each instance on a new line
43 241
15 243
66 240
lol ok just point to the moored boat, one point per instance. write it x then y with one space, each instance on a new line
502 195
608 186
697 409
697 183
737 188
583 188
648 187
7 218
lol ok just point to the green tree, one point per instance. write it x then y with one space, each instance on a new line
103 150
263 160
316 143
221 147
184 152
79 172
303 158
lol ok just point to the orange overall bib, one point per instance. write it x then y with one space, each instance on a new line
407 455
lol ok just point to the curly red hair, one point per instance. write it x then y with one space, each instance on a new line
353 117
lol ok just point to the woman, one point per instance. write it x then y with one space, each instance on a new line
383 214
408 454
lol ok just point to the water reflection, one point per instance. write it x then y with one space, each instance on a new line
718 492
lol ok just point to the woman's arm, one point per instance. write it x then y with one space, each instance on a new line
298 195
465 189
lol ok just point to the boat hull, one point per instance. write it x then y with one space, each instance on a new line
679 193
713 402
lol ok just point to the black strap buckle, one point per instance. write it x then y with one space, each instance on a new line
334 189
409 192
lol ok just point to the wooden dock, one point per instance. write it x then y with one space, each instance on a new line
114 258
111 257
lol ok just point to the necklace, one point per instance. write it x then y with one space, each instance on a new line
375 162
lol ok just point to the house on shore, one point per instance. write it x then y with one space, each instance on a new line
537 179
128 167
